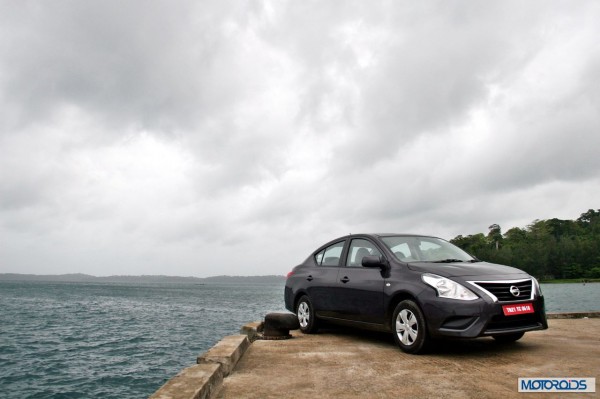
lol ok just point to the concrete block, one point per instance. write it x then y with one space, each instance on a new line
200 381
573 315
253 330
227 352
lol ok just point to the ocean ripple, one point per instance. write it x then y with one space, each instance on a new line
73 340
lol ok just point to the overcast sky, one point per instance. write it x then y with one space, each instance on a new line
234 137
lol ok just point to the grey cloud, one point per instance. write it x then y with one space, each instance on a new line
436 72
160 67
553 140
150 136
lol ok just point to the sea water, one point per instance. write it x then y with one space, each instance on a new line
102 340
74 340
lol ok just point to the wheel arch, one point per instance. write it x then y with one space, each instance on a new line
394 301
297 297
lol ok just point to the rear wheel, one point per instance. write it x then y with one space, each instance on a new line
410 330
306 316
506 338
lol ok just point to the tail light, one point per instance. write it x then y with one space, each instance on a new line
290 274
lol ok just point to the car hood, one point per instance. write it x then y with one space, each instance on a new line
460 269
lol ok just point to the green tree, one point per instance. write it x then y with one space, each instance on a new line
545 248
495 236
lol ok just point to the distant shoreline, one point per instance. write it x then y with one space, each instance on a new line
86 278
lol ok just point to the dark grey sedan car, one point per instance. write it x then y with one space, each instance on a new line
418 287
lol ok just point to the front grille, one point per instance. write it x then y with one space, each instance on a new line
501 290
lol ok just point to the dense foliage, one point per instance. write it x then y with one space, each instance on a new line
547 249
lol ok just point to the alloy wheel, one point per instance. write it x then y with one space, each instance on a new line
407 327
303 314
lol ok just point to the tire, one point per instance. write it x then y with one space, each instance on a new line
410 329
306 316
507 338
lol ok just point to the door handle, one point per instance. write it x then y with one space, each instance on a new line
345 279
310 278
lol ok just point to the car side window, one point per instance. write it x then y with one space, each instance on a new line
359 248
330 256
319 257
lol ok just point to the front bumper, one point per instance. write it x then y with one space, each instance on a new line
481 317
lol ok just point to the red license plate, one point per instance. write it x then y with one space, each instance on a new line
511 310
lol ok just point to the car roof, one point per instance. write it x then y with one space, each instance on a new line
389 235
379 235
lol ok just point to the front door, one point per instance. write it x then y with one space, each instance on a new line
359 290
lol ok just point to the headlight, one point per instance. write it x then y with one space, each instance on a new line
447 288
536 284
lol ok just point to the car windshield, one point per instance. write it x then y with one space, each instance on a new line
425 249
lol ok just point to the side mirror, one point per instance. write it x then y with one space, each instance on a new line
374 261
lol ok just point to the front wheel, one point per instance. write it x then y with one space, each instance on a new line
306 316
410 330
506 338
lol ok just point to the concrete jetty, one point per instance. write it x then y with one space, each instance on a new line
347 363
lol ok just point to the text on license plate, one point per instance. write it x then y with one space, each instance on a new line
511 310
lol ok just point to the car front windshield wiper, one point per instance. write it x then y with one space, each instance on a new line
448 260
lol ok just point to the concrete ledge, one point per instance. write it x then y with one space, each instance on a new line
252 330
200 381
203 380
227 352
573 315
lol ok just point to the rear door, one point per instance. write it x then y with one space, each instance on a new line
322 279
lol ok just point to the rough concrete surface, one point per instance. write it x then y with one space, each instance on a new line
343 363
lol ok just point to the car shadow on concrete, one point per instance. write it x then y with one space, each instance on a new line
478 347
